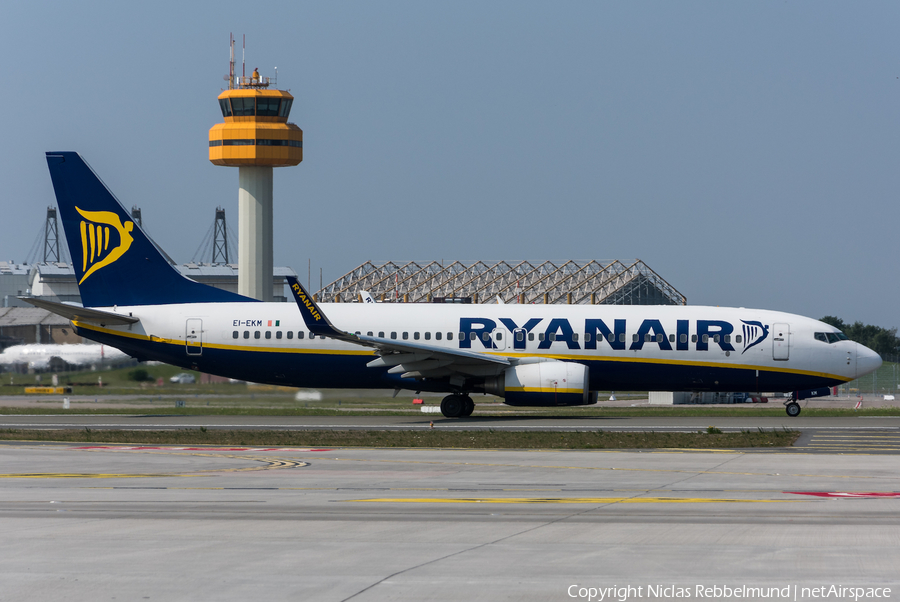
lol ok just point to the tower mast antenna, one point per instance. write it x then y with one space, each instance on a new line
231 62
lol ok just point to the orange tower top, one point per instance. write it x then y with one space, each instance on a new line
256 131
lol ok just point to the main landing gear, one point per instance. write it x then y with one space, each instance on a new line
792 408
457 406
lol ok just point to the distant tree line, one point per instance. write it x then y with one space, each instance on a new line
882 340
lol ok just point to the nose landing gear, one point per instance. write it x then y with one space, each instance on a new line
792 408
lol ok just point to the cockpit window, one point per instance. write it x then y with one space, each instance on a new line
830 337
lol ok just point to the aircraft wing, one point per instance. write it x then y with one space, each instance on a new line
409 359
82 314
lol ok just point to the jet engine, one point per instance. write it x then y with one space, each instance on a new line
550 383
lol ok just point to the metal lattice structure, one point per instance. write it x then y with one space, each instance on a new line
573 282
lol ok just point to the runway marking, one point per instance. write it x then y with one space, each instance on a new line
854 442
75 475
271 464
573 500
849 494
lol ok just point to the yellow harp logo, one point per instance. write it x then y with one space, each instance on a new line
95 239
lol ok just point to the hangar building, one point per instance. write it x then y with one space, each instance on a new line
574 282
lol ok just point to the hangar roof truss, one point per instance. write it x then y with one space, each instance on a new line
574 282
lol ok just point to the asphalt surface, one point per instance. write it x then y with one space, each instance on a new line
100 522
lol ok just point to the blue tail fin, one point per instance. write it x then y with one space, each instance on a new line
115 262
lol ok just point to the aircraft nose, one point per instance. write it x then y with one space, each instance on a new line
867 361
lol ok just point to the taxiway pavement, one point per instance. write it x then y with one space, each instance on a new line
102 522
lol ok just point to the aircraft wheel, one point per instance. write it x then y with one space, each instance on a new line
453 406
470 406
793 409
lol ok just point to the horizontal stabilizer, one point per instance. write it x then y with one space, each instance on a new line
82 314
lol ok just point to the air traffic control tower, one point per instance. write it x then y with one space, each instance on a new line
255 138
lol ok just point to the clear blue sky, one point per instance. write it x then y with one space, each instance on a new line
748 152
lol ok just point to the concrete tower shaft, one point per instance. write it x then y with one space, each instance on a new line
255 254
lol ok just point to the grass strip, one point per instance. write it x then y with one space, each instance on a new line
431 438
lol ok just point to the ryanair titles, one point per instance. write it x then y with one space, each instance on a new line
687 334
306 303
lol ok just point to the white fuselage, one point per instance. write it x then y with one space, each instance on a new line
674 347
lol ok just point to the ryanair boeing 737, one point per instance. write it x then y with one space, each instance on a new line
530 355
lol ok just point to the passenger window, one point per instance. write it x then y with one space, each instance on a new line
530 336
393 335
671 338
738 339
693 338
485 336
682 337
706 338
552 336
255 334
520 336
290 334
659 338
405 335
235 334
449 336
499 336
540 336
648 337
587 337
621 337
427 336
246 334
311 336
634 338
472 336
612 338
715 338
727 338
574 336
380 334
416 336
278 335
268 334
437 336
301 334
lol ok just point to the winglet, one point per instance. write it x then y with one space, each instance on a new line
312 315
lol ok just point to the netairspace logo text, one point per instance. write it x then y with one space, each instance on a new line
623 593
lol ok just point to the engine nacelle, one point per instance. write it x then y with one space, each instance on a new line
550 383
